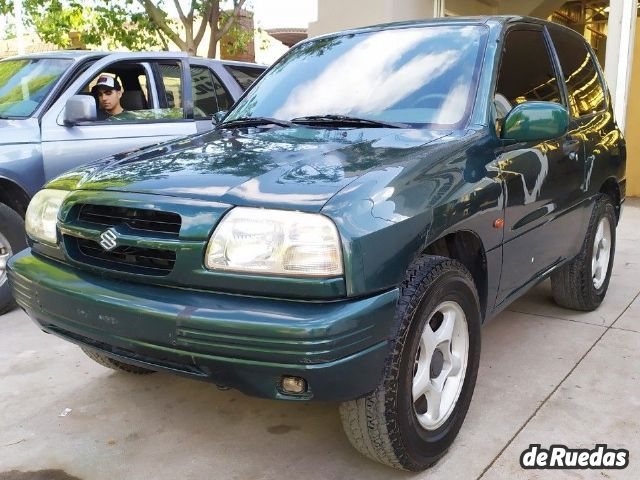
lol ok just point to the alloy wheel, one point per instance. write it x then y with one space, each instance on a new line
601 253
440 365
5 254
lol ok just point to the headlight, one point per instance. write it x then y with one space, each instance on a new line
42 214
275 242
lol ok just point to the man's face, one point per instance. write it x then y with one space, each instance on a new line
109 98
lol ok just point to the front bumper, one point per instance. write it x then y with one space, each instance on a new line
243 342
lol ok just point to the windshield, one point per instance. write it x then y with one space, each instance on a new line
24 84
415 76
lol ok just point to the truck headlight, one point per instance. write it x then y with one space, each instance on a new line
42 215
275 242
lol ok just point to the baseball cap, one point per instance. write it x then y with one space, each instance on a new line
105 82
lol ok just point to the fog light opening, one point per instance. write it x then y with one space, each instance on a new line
294 385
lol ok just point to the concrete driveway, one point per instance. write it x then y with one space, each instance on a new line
547 375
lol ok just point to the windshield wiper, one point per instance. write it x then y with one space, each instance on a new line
347 121
255 122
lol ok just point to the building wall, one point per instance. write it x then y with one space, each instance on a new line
32 44
469 7
358 13
633 120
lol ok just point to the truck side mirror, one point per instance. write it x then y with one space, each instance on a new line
80 108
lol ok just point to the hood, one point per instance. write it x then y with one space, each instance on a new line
299 168
19 131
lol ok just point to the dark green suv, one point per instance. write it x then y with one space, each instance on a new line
347 228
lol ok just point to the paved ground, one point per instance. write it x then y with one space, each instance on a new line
547 375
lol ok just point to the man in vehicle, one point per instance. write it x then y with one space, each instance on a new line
108 92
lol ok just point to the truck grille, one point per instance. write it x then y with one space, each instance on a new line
142 220
146 261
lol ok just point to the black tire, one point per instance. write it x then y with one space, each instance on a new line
384 425
12 229
115 364
572 285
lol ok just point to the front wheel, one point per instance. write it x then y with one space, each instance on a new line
115 364
12 240
416 411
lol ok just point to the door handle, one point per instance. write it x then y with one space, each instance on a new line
571 146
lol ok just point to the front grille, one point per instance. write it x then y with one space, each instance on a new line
135 218
130 259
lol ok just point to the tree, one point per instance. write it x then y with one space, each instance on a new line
206 13
133 24
7 28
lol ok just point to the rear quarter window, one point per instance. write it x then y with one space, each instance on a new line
209 95
584 86
245 76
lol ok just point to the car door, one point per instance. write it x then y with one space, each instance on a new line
541 178
587 103
166 112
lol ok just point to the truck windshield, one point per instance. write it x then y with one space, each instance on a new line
25 83
417 76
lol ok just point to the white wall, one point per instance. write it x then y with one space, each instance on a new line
334 15
468 7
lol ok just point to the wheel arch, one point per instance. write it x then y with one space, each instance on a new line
14 196
467 247
611 187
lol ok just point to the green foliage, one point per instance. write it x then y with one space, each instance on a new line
9 31
152 114
119 23
237 39
33 86
9 69
130 24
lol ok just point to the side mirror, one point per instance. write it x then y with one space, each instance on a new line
80 108
218 116
531 121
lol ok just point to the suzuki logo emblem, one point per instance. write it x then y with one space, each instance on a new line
108 239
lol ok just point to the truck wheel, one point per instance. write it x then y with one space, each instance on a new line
115 364
12 240
582 283
416 411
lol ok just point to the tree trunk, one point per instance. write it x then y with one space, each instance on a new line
214 18
213 42
188 33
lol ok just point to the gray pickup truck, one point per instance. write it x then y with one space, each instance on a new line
49 122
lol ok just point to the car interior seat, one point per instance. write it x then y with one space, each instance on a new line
133 100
